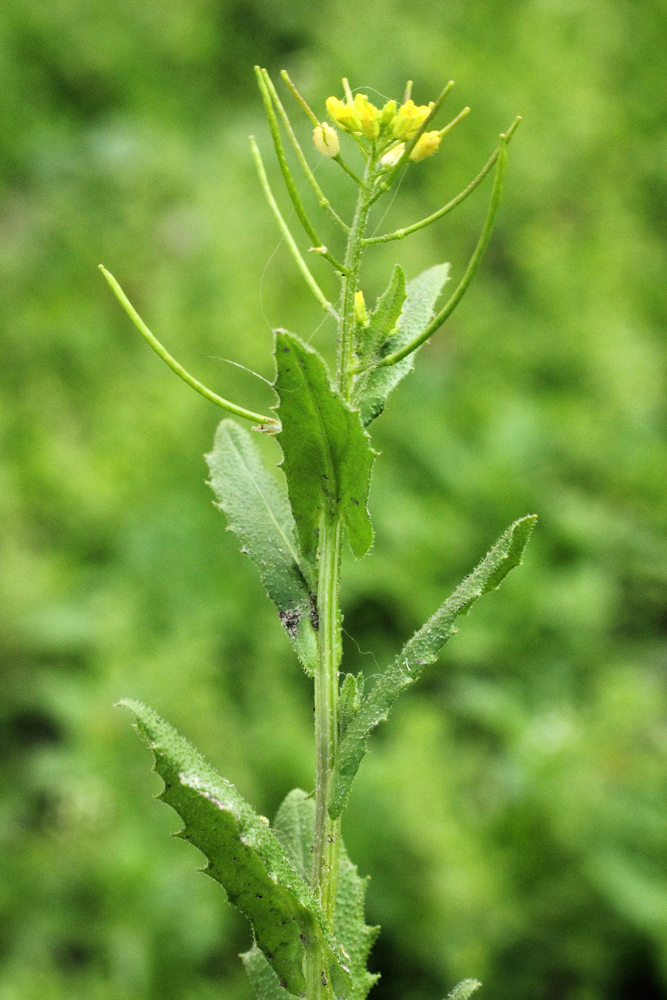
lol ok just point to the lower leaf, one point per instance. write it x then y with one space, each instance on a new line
294 826
243 855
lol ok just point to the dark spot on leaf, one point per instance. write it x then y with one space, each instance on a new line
354 501
314 613
290 621
285 350
259 896
325 477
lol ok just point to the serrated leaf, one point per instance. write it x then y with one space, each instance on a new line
327 454
383 319
294 826
259 514
422 649
373 387
243 854
263 978
352 932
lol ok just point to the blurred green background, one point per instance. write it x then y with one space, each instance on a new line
512 814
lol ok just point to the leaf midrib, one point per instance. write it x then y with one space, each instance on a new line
269 509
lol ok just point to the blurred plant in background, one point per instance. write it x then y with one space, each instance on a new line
541 741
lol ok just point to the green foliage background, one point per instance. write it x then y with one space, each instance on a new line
512 814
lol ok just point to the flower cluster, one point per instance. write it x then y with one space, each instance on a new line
390 127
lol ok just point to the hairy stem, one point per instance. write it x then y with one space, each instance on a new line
327 831
350 281
326 844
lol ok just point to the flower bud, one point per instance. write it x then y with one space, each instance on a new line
409 119
426 144
368 115
391 158
387 114
326 140
360 313
343 115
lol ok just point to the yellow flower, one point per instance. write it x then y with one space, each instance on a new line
409 118
344 115
426 144
360 313
326 140
368 116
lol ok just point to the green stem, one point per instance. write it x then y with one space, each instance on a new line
475 261
348 170
326 845
266 423
305 166
350 282
325 848
313 117
327 831
289 239
400 234
262 77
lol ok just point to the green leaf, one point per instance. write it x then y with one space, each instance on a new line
243 854
259 514
421 650
294 826
349 700
261 975
327 454
373 387
383 319
352 932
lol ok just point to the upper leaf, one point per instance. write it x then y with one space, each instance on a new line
259 514
294 826
327 454
383 319
373 387
243 854
419 651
